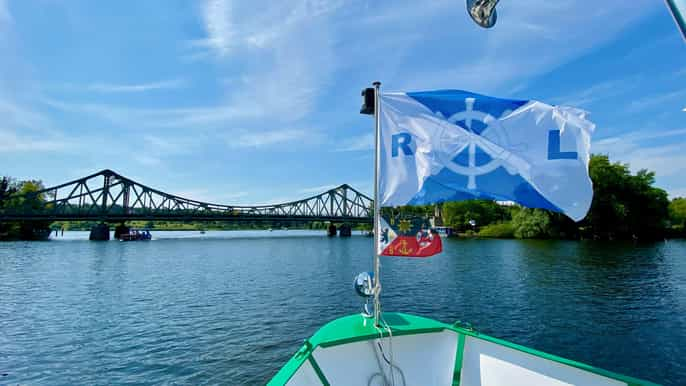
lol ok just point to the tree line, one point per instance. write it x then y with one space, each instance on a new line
625 206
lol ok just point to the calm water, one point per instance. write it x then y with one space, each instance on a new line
231 307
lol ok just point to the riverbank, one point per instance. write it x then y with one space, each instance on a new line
508 230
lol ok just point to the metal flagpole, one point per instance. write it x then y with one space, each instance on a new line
377 207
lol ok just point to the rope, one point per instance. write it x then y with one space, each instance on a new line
391 365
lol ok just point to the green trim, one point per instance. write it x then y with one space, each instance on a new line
318 370
291 367
458 359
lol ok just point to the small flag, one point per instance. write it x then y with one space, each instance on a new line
408 237
453 145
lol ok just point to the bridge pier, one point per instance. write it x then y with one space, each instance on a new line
121 229
100 232
331 231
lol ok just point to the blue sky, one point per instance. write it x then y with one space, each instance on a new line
257 102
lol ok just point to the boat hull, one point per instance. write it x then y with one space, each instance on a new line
351 351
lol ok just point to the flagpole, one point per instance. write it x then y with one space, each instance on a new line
377 206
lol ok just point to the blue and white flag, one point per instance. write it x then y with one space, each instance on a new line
451 145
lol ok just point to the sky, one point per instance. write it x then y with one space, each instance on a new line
253 102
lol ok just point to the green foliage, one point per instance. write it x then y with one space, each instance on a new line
22 195
677 212
458 214
624 205
503 230
532 224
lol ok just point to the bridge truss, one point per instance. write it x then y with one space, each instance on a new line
110 197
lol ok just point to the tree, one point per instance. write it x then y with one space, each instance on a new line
458 214
624 205
532 224
22 196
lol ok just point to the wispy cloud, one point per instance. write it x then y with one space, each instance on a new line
135 88
147 160
12 142
658 151
259 139
229 26
17 115
5 16
285 50
362 142
317 189
656 100
181 117
214 195
216 17
599 91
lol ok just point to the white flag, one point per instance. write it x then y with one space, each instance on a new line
451 145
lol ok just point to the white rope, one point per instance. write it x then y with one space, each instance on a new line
392 367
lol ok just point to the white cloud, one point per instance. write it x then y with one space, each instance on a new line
11 142
181 117
16 115
655 100
318 189
362 142
599 91
213 196
285 52
5 16
259 139
216 17
147 160
133 88
638 149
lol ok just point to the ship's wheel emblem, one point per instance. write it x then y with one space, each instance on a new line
466 154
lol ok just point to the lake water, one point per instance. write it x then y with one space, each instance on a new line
231 307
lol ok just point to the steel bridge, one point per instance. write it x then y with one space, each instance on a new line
110 197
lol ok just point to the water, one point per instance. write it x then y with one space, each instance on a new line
231 307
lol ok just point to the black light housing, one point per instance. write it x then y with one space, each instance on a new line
367 101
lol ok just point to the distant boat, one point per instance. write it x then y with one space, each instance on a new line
202 232
270 229
444 231
136 236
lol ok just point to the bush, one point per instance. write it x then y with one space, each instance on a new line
503 230
532 224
